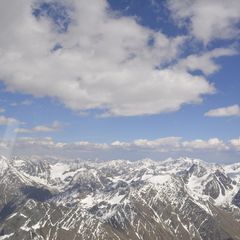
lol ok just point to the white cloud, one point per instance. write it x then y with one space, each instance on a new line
205 61
2 110
55 126
7 120
160 144
212 143
233 110
209 19
42 128
235 143
167 144
106 61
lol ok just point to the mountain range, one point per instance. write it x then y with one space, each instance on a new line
175 199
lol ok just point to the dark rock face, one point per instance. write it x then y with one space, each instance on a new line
7 210
212 189
197 170
37 194
36 168
218 185
118 201
224 180
236 199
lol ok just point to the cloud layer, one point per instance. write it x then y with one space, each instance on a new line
212 149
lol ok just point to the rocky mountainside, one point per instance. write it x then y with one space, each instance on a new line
118 200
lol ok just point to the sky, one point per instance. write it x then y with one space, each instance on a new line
125 79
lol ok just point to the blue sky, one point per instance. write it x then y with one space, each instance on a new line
164 72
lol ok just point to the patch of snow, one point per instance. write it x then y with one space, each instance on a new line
58 169
18 163
13 215
36 226
159 179
116 199
88 201
3 165
233 171
227 198
6 236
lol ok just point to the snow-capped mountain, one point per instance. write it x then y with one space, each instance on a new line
143 200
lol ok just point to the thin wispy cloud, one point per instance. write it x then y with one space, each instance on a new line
55 126
8 120
21 103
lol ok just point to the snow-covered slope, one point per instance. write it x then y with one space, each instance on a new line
173 199
3 165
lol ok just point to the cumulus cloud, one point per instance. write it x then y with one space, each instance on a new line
208 19
233 110
55 126
94 58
